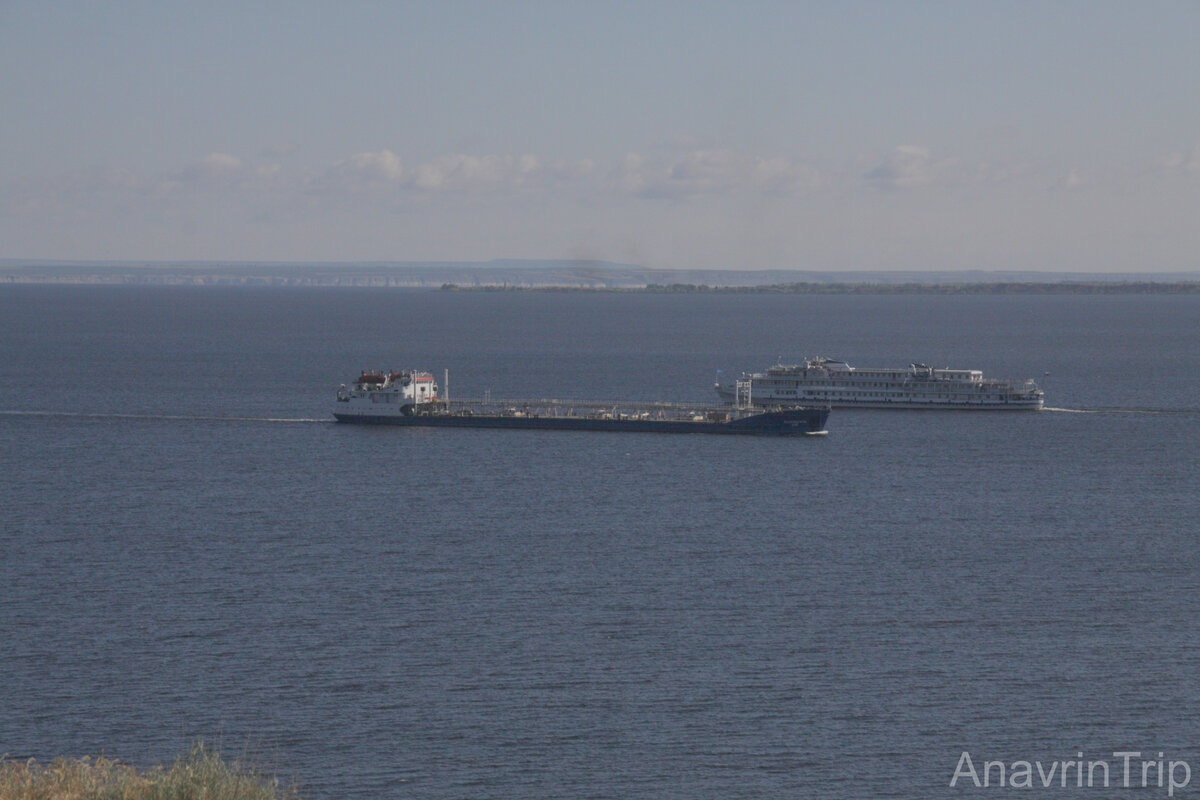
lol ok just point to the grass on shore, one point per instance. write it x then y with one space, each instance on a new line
200 775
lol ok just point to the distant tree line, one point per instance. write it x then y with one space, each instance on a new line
1031 287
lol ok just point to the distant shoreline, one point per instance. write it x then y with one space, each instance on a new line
1027 288
508 275
866 288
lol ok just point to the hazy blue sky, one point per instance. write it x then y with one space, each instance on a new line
823 135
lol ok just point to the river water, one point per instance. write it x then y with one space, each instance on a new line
190 548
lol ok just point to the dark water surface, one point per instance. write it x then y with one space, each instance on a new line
188 548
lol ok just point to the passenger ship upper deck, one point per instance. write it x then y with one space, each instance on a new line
837 384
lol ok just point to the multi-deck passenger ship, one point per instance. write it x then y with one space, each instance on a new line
836 384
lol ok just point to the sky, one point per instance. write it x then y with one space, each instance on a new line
1057 136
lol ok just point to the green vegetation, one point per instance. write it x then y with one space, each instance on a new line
200 775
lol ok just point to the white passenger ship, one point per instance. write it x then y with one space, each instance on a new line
836 384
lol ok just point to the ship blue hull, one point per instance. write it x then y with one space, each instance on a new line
787 422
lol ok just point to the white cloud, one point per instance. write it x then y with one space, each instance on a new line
630 174
1186 162
458 172
466 172
278 150
470 173
221 162
365 167
783 176
909 166
1072 180
677 175
216 172
212 166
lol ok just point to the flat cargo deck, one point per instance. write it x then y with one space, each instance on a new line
595 416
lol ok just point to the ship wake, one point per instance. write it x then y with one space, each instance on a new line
161 417
1106 410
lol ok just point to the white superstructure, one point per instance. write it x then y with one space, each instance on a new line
826 381
377 393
